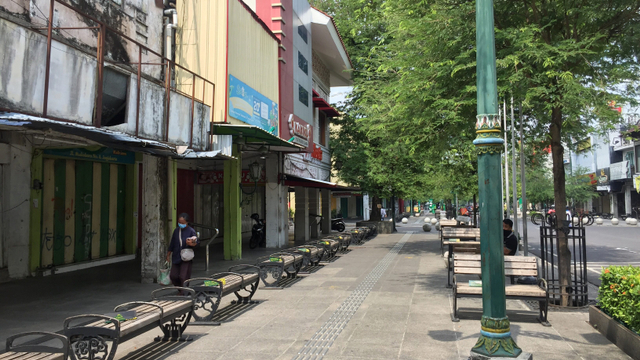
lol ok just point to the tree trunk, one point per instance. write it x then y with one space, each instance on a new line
375 212
557 151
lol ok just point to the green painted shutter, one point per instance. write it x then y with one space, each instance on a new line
60 168
104 211
84 200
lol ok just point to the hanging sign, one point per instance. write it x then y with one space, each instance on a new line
100 154
217 177
299 132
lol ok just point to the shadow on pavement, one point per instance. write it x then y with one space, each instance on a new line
159 350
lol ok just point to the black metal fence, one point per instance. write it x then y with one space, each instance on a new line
577 289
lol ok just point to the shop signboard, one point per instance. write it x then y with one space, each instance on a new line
602 176
251 107
217 177
619 170
300 132
101 154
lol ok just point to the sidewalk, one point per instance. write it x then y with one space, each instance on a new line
401 311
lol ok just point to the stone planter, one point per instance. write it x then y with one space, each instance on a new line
599 221
382 227
625 339
426 227
434 221
615 221
405 220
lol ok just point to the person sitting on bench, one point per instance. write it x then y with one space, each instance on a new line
510 240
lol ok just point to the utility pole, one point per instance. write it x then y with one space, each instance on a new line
495 335
506 159
525 238
513 163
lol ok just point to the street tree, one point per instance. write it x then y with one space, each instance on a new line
564 60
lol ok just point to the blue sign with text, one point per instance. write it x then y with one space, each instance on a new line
248 105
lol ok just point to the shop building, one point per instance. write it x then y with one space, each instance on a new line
91 125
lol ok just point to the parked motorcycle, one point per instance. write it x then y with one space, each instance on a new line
338 224
258 232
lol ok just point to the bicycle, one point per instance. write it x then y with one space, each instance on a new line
537 218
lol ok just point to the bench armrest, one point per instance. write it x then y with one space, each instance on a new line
85 329
29 347
454 281
543 282
127 304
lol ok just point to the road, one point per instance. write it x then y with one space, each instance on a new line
606 245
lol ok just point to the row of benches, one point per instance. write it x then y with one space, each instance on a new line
96 336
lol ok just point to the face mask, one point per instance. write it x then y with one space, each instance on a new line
506 233
182 226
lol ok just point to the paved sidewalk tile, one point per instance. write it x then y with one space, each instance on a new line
406 314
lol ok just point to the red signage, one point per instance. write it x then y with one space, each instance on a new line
317 152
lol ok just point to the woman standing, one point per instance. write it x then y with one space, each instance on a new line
180 253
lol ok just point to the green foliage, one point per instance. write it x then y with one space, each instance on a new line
578 185
619 294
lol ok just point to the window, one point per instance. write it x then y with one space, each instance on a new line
303 64
114 97
303 95
322 125
302 31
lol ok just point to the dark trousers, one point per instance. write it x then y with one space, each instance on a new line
180 273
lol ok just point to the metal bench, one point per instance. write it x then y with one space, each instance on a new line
359 234
36 351
464 264
274 266
330 248
343 239
241 280
459 247
94 336
455 232
311 254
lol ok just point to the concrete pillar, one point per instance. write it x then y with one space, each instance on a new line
301 230
326 210
16 205
614 205
276 205
232 210
366 209
155 211
627 198
352 207
314 209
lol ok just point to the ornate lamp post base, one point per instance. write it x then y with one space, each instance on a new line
495 341
522 356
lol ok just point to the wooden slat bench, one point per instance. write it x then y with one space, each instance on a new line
330 248
464 264
359 234
274 266
343 239
459 247
311 254
95 336
36 351
455 232
241 280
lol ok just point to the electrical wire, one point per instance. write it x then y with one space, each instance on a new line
24 201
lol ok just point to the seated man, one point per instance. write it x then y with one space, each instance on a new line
510 240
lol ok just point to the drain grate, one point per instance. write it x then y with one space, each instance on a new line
317 347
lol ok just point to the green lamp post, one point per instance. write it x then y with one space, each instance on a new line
495 336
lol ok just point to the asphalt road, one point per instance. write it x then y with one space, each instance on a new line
606 245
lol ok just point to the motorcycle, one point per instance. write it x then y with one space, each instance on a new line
338 224
258 232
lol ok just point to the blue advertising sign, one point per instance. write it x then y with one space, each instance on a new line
248 105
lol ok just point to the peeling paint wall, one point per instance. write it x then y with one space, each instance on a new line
72 89
138 19
154 216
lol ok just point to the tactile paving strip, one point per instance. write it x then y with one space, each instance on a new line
317 347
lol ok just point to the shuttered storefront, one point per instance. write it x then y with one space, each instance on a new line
83 210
